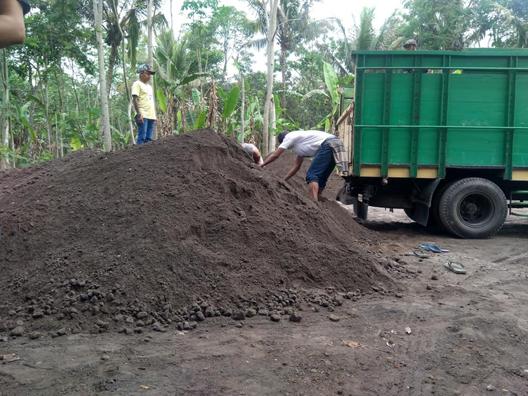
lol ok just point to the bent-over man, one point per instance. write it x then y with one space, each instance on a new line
327 151
253 152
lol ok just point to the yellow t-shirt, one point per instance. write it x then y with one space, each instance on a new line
145 95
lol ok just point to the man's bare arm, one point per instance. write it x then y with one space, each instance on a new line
12 28
296 167
257 158
135 102
273 156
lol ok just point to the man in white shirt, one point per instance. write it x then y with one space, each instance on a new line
326 150
253 152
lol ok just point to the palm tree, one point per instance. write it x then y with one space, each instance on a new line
123 21
293 27
176 68
364 37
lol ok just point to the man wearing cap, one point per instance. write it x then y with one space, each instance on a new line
410 45
327 150
143 99
12 28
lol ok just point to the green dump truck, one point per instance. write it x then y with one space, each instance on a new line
440 134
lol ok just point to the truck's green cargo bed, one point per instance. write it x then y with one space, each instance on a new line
418 113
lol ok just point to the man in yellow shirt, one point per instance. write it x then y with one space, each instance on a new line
143 99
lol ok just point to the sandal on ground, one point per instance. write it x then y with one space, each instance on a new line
457 268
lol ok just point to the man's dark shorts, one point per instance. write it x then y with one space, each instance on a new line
322 165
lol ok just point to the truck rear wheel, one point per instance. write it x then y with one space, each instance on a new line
473 208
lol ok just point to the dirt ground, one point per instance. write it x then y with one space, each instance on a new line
468 336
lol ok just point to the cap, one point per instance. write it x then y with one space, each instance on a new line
410 42
145 67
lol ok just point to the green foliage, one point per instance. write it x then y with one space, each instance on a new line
200 120
199 8
230 103
330 78
437 24
365 34
502 23
52 79
161 100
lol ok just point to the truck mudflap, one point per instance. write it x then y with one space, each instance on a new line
422 203
376 192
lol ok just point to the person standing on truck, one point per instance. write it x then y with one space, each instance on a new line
143 100
12 28
410 45
327 150
253 152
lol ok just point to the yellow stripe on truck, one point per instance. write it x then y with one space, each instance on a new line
520 175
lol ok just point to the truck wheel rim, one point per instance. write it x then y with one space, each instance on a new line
476 209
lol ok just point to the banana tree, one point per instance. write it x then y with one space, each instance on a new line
229 105
331 93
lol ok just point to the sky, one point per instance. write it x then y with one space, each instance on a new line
346 10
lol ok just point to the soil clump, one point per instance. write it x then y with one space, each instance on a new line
174 231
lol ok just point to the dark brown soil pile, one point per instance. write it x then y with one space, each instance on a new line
169 232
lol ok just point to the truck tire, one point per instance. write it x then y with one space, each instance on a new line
473 208
361 210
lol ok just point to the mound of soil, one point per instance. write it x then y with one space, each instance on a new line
169 232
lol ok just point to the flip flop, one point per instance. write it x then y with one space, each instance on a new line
420 255
457 268
431 247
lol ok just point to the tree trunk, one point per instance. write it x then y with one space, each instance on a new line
57 136
114 54
74 87
171 16
242 110
183 116
150 32
226 54
127 89
273 125
4 163
283 73
272 26
105 112
44 93
150 17
46 104
213 107
61 141
131 124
